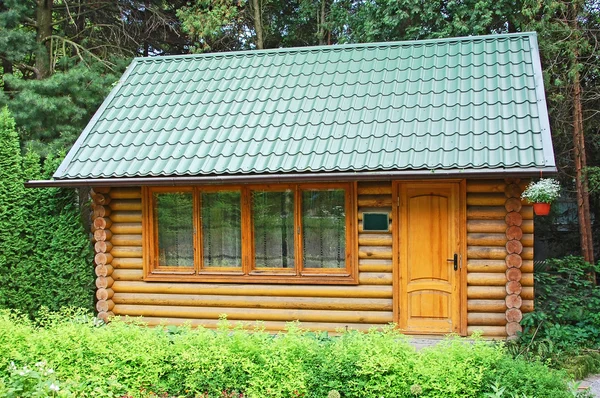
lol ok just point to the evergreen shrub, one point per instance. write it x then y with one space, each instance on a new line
45 252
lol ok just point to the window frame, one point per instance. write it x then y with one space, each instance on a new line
248 272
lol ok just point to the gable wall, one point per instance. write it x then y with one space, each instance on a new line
122 291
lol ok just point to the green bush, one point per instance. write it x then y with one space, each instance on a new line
564 329
46 257
122 359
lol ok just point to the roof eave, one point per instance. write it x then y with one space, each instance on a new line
291 177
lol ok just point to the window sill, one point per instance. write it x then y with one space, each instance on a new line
271 278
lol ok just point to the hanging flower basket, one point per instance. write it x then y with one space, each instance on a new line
541 194
541 209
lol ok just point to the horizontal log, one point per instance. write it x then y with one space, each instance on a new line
513 260
375 265
513 287
476 265
126 216
486 199
514 246
513 219
105 305
513 204
104 294
375 188
374 200
103 258
527 240
362 231
382 252
514 315
486 279
104 282
373 239
486 252
512 191
270 326
102 235
126 205
252 314
126 228
126 240
486 319
498 306
100 211
496 226
122 274
527 212
126 251
527 266
527 293
527 253
102 246
375 278
513 274
102 223
105 316
101 199
513 301
97 190
126 193
126 262
486 239
514 232
486 186
527 306
486 292
512 328
365 291
309 303
486 213
103 270
488 331
527 279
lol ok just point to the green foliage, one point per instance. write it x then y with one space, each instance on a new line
45 258
51 113
566 322
128 360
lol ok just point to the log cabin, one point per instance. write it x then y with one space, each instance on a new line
344 186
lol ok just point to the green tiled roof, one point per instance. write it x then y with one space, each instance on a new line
474 103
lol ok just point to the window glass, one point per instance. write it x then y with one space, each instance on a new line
175 226
221 229
323 228
273 223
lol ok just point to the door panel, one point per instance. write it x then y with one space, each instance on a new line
429 285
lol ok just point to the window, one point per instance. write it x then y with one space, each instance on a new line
303 233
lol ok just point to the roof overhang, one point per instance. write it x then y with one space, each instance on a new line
295 177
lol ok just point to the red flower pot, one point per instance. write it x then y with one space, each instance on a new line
541 209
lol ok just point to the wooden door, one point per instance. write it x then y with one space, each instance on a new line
429 288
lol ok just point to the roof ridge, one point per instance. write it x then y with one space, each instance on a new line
335 47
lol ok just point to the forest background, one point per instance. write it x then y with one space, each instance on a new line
60 58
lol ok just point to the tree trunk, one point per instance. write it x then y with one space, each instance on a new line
583 198
258 27
322 24
44 31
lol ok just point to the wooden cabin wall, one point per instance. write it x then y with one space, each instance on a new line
122 291
499 257
499 270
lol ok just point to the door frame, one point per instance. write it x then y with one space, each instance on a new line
462 245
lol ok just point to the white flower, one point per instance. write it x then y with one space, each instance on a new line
54 387
50 371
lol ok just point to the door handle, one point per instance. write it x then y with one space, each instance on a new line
455 261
